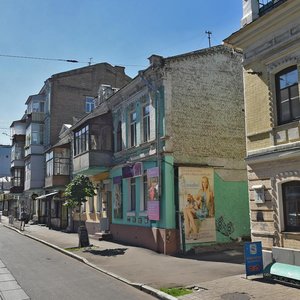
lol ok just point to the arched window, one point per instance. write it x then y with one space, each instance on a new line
291 205
287 93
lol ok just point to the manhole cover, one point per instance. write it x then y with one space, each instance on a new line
235 296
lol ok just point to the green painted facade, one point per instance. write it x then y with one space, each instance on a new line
231 209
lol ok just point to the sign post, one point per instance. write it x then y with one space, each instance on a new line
253 258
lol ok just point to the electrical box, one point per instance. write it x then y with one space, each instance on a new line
259 193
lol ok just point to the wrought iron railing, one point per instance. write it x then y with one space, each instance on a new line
267 5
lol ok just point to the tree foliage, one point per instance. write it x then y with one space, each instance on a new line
77 191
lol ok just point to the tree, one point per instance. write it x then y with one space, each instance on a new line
75 193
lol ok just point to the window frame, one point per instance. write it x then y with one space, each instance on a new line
90 104
146 123
119 141
279 101
285 202
133 128
132 195
144 192
81 140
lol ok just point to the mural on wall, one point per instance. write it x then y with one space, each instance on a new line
196 203
118 203
153 197
225 228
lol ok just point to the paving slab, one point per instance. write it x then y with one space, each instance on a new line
18 294
9 285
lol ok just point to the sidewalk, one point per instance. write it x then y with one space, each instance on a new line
212 276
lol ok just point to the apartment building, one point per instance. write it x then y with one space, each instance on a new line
63 99
178 131
270 41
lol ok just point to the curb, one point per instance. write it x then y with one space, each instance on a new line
140 286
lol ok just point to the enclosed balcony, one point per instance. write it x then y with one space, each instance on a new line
92 149
57 167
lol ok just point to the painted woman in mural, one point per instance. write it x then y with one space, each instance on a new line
153 188
205 198
199 208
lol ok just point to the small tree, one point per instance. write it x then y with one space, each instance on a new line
76 192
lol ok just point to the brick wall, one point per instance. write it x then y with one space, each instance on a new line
69 90
204 107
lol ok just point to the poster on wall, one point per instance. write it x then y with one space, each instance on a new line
118 203
196 203
153 199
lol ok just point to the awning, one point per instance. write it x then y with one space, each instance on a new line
46 195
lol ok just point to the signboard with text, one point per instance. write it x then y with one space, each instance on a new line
253 258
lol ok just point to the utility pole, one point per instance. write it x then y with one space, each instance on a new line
209 33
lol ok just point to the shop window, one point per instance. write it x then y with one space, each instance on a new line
287 92
291 205
144 192
132 195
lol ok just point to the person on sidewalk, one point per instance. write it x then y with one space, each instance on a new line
22 218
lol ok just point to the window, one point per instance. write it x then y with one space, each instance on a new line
146 123
132 197
89 104
18 177
133 140
49 164
91 204
62 161
119 137
99 200
288 105
17 152
144 193
27 170
58 162
81 140
34 134
291 205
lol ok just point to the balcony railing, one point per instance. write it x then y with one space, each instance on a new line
267 5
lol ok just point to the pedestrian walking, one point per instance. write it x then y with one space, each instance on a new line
22 218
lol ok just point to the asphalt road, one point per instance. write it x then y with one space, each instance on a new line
45 273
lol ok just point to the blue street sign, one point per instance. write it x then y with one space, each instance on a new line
253 258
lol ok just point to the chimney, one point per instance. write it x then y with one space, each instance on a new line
250 11
156 60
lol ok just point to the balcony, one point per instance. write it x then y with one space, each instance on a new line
37 117
56 180
92 162
267 5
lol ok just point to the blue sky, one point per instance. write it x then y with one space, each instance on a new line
120 32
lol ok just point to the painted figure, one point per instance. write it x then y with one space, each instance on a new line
199 208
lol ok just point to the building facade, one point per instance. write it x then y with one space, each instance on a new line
178 177
64 99
270 41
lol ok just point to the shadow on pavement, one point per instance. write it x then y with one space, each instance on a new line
235 256
107 252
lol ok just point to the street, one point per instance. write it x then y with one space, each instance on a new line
44 273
